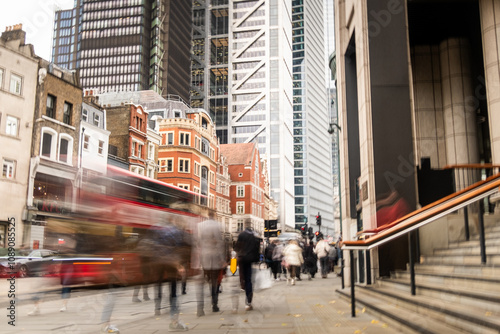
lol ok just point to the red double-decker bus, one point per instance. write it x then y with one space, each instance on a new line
101 241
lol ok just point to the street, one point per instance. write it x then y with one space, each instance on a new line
307 307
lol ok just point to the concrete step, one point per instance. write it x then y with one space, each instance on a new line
456 316
457 281
405 321
469 250
477 270
491 258
478 299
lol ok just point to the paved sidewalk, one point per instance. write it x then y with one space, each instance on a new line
306 307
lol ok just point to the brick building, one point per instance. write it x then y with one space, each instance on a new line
128 140
248 186
54 177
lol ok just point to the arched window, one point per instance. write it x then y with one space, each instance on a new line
66 149
48 143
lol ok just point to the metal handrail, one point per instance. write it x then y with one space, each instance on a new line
422 217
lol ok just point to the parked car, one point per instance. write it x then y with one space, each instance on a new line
36 262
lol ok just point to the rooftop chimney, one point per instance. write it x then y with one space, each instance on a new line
14 32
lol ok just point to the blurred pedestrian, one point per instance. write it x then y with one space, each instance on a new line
172 259
277 258
322 248
248 249
310 260
294 259
145 255
213 260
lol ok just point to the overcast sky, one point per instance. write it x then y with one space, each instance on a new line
37 17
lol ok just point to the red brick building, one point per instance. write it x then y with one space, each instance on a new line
128 140
247 190
188 153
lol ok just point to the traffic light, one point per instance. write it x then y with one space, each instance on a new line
318 219
319 236
310 232
303 229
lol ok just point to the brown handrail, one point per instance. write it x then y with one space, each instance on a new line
433 209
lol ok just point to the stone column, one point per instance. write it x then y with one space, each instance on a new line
459 108
490 27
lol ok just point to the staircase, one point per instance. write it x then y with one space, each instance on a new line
454 292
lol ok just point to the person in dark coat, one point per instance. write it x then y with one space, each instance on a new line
248 249
310 260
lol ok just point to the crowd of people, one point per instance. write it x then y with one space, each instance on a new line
212 258
289 259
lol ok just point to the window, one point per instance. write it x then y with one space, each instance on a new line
12 126
85 115
170 138
205 146
184 139
240 208
15 84
100 149
139 151
1 78
8 169
151 151
51 106
86 140
97 120
134 144
170 165
183 186
183 165
66 149
68 108
196 169
48 144
240 191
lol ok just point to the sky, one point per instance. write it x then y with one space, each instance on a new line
37 18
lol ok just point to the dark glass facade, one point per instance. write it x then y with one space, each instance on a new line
129 45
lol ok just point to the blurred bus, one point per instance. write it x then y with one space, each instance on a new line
99 242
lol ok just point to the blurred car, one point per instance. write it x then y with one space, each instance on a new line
36 262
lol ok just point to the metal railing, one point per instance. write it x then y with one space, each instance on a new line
410 223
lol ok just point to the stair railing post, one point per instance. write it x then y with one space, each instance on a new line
342 264
353 299
368 267
411 264
466 220
482 241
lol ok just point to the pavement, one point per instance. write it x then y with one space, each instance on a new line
308 307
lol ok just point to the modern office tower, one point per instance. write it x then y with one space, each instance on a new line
128 45
210 61
65 38
241 73
311 118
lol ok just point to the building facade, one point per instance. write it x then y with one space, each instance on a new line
18 77
127 124
242 56
247 189
54 177
311 118
93 151
127 45
417 88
